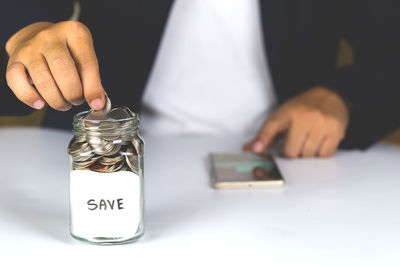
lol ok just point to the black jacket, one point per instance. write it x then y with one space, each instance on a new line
302 43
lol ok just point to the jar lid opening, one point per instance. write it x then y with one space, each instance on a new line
118 119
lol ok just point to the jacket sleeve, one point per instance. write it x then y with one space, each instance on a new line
370 86
15 15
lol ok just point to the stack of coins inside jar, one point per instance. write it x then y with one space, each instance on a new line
103 146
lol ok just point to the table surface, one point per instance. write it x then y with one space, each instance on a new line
342 211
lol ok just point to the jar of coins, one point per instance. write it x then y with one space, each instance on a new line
106 176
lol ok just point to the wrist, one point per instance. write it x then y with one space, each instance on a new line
334 95
329 98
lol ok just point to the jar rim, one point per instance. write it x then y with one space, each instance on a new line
78 125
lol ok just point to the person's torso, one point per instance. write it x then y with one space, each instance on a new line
301 39
210 75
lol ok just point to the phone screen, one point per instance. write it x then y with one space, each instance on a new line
244 170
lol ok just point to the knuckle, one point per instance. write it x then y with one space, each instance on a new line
10 80
87 60
47 35
312 115
25 50
42 79
10 72
79 29
60 63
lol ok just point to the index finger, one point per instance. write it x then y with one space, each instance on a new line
80 44
274 125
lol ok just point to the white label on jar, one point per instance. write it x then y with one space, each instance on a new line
105 204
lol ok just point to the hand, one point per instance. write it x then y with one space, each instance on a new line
315 122
61 62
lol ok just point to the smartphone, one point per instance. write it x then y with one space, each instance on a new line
244 170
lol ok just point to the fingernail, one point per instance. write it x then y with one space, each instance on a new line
258 147
66 108
39 104
97 104
77 102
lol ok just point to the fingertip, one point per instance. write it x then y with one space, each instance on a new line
291 154
38 104
258 147
327 153
97 104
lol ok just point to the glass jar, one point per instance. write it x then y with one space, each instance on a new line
106 178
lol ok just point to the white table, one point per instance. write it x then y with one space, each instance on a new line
343 211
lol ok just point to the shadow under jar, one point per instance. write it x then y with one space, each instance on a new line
106 178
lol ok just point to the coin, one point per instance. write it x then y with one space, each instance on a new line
76 148
102 147
107 105
93 114
99 167
94 117
80 151
131 157
116 167
132 162
111 160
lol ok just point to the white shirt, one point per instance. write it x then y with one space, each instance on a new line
210 75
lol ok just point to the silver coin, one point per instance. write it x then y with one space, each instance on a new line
76 147
124 168
80 151
121 113
107 105
132 163
102 147
116 167
94 141
109 129
119 166
112 150
94 117
137 146
77 165
131 157
83 158
111 160
79 138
